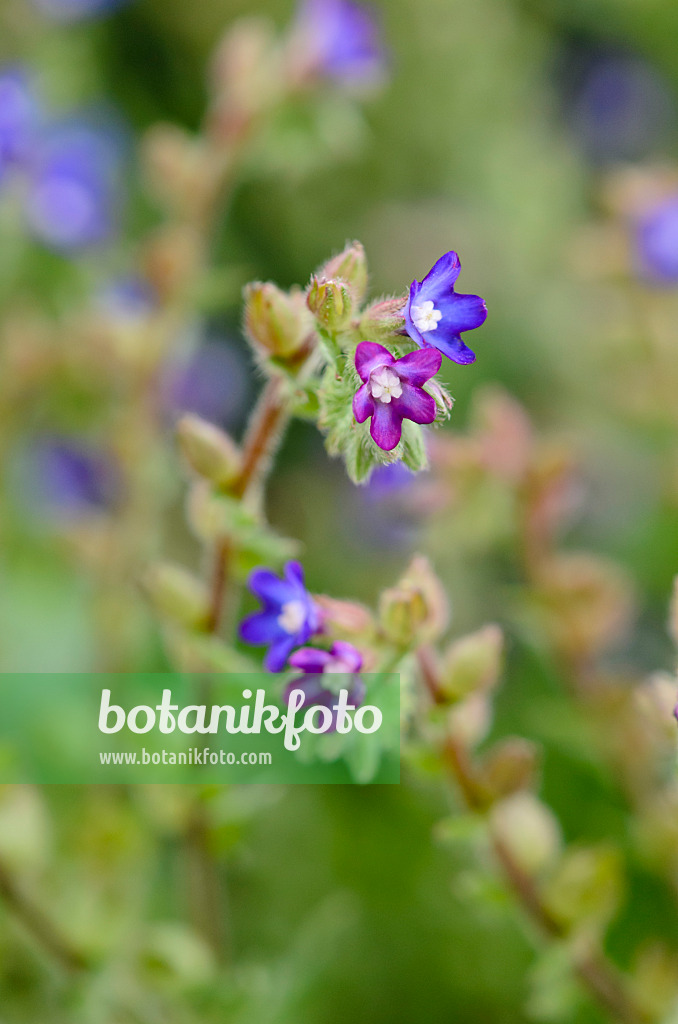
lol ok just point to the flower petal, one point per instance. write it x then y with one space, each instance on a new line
260 628
363 404
279 652
369 355
454 348
386 425
416 405
294 574
460 313
308 659
418 367
442 274
351 657
269 587
413 331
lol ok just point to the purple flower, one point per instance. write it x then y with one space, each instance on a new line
76 10
19 116
68 479
341 40
657 242
211 381
288 618
392 390
343 660
72 188
436 315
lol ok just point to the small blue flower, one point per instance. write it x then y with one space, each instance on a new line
657 243
288 618
436 315
341 40
68 479
72 189
19 117
77 10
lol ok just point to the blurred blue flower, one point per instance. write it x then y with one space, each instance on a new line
67 479
77 10
289 616
72 192
341 40
212 381
436 315
19 117
619 106
127 300
657 242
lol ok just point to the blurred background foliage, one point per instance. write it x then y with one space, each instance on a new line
505 132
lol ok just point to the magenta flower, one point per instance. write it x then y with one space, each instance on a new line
343 660
392 390
436 315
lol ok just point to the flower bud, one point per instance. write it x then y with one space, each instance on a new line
344 619
171 260
177 167
472 663
528 829
331 303
209 451
350 267
585 888
177 595
383 319
509 767
469 721
416 610
277 323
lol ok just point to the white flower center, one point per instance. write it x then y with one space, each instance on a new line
425 317
292 616
385 384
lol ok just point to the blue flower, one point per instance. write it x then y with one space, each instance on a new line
657 242
436 315
68 479
19 116
341 40
76 10
288 618
72 188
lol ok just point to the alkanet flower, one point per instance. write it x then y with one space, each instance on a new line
437 316
340 40
392 390
342 659
657 242
289 616
72 189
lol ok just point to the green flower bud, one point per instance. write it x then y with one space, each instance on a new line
331 303
177 595
529 831
384 319
278 323
350 266
209 451
416 610
509 767
472 663
585 888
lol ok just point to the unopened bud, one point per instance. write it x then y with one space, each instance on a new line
277 323
171 260
585 888
350 266
331 303
209 451
383 319
416 609
472 663
344 619
509 767
469 721
177 595
529 831
177 167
